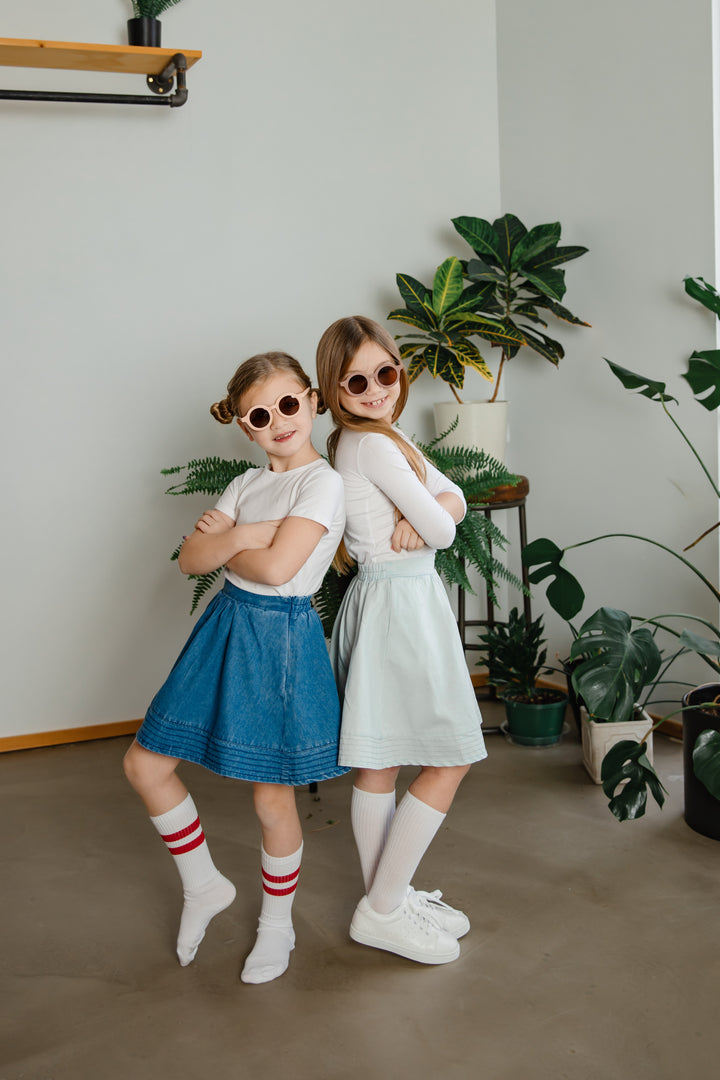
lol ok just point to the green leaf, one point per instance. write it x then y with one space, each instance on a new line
475 297
627 763
443 364
699 289
509 231
558 310
703 376
418 365
481 237
413 292
544 345
412 318
505 333
565 593
617 663
549 282
706 761
652 388
447 285
470 356
704 646
555 257
533 243
478 270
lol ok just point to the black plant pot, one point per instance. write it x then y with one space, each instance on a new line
144 31
702 810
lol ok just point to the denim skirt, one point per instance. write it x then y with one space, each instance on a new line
252 694
400 668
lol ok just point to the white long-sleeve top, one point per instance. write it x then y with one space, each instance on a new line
378 478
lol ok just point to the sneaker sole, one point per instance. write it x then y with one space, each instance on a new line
400 950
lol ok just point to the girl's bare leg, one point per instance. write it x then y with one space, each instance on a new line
172 811
280 864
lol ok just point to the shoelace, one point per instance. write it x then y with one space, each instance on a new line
432 899
422 908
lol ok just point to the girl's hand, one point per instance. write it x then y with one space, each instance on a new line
405 538
214 521
260 534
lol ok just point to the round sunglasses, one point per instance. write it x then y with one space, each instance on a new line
260 416
384 376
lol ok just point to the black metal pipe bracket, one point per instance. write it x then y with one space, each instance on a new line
161 86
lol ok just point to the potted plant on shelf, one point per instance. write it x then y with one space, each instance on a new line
626 773
515 655
476 537
145 27
514 282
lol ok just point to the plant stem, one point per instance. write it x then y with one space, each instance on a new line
457 396
503 358
700 460
655 543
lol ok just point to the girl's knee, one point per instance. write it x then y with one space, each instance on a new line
273 803
144 769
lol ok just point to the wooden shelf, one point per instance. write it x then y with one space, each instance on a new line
18 52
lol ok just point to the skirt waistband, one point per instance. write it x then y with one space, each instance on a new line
416 566
271 603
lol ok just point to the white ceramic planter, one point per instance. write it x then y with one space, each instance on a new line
598 738
480 423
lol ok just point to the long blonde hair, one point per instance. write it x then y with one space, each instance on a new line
335 352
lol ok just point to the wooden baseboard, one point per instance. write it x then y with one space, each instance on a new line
69 735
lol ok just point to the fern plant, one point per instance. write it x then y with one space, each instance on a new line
151 9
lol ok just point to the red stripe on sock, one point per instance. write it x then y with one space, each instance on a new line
169 837
188 847
279 892
279 880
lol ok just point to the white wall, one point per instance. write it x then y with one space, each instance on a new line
606 125
147 251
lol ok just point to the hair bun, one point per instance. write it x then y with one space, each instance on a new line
222 411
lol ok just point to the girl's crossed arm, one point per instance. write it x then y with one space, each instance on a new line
217 539
294 543
432 515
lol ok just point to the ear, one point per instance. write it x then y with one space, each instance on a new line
245 428
313 403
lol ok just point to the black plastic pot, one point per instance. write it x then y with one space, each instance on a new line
702 810
144 31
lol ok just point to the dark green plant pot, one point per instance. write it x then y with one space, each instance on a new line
144 31
702 810
536 724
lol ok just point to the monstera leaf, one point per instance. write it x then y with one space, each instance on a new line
627 767
706 760
564 592
617 664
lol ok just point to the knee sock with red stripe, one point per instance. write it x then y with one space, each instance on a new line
205 890
276 937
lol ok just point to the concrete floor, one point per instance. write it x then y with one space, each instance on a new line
594 953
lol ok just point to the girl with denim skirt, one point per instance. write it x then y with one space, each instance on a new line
252 694
397 655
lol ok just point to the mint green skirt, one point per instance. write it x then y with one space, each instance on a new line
405 689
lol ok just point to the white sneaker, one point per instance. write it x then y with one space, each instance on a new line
407 931
453 922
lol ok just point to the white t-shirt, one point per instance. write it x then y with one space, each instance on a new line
313 491
378 478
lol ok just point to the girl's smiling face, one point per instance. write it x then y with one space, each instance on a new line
286 439
377 402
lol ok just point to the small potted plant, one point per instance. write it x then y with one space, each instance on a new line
515 656
613 665
514 283
145 28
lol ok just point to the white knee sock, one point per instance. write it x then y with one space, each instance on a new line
371 814
276 937
205 890
412 829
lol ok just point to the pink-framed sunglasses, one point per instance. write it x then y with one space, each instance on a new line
384 376
260 416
